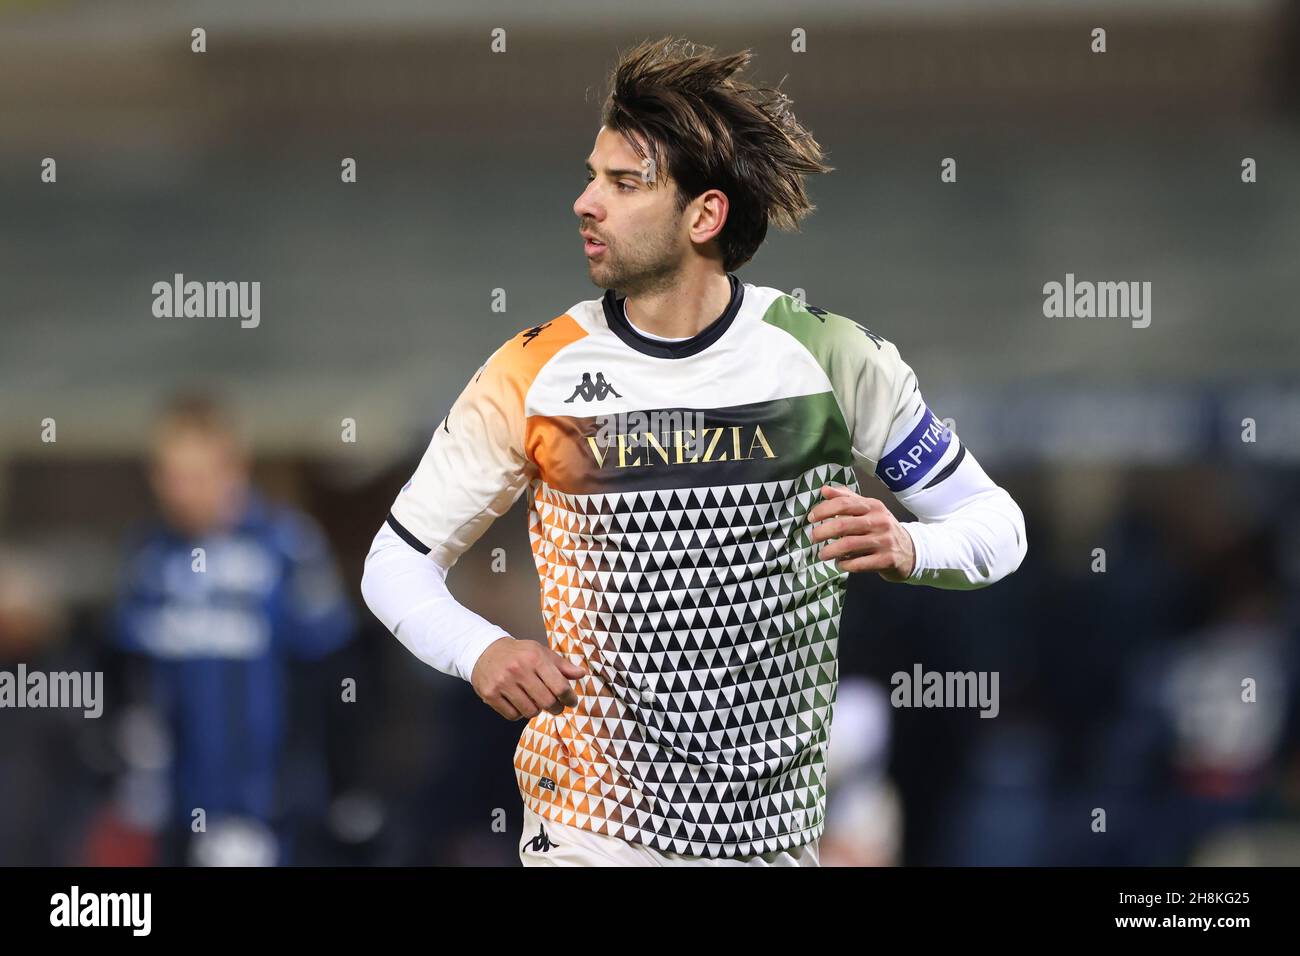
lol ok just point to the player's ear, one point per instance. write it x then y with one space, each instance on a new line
707 214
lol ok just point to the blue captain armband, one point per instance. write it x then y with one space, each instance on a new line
917 455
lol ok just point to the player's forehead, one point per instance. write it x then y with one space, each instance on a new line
612 149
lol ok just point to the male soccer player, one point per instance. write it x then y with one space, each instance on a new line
688 450
221 597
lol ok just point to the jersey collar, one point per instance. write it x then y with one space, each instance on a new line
618 323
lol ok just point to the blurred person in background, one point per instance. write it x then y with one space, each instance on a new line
1228 693
217 598
42 782
1211 707
864 814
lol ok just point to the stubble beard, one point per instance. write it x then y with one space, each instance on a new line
654 273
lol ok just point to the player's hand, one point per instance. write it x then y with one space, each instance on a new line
520 679
863 535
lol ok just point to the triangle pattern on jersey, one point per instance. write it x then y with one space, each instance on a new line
710 631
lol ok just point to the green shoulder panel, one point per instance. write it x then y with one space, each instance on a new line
840 345
862 366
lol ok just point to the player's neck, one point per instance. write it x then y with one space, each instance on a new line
682 310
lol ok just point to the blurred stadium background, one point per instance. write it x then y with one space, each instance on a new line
1119 690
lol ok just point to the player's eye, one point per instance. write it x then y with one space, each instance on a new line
622 187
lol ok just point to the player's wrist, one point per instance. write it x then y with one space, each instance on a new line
474 651
916 534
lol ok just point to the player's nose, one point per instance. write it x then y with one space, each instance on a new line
585 208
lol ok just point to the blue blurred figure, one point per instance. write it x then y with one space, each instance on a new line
219 597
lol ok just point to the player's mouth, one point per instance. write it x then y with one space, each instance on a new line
592 247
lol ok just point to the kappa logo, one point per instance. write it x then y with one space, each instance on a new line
821 317
541 843
591 391
532 333
871 335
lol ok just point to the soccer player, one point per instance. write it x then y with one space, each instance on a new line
220 598
687 442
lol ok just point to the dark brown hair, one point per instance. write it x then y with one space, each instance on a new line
708 129
200 412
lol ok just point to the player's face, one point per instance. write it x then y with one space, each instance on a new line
643 238
196 478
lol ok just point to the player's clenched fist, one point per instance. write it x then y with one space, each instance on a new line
520 679
863 535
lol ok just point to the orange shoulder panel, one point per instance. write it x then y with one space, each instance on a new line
522 357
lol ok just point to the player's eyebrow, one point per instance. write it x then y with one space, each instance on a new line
613 172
